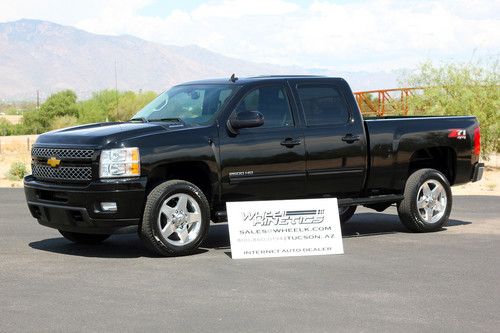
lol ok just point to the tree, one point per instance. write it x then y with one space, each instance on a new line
128 104
91 111
33 123
62 110
64 121
460 89
108 105
60 104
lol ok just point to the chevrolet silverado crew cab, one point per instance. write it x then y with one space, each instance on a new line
171 169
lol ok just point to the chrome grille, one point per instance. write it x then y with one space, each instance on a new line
69 173
62 153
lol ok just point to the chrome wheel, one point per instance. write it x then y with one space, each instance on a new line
179 219
431 201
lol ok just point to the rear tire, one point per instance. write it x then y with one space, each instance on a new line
427 201
345 213
176 218
80 238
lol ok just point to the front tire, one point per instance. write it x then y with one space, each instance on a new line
80 238
176 218
427 201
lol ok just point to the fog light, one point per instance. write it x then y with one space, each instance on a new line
109 206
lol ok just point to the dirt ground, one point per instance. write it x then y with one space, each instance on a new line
489 185
17 149
14 149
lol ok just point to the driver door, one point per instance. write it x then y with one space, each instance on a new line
266 162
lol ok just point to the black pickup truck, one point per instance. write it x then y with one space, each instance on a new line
170 170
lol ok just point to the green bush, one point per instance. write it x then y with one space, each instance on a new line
64 121
63 110
91 111
460 89
60 104
17 171
33 122
5 127
128 104
108 105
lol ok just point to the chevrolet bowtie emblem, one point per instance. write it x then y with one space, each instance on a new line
53 162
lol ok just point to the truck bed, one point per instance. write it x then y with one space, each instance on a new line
395 143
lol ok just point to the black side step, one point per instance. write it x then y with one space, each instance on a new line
221 216
389 198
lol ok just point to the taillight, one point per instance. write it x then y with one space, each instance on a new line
477 141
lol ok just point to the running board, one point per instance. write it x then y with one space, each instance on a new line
221 216
389 198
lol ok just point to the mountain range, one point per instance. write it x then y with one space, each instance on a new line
45 56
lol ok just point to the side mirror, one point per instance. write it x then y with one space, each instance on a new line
245 119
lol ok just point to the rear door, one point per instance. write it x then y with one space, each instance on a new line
266 162
334 138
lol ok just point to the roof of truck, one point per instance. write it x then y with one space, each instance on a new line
252 79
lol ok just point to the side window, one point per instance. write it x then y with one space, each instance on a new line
272 102
223 95
323 105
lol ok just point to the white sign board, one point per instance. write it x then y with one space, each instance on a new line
283 228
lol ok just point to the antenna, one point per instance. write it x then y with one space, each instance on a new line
233 78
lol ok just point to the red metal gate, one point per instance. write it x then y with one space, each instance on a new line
385 101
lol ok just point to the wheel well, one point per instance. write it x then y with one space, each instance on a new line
443 159
193 172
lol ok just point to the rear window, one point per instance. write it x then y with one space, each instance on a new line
323 105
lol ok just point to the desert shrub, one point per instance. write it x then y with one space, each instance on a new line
112 106
460 89
62 110
130 103
5 127
60 104
17 171
91 111
64 121
32 123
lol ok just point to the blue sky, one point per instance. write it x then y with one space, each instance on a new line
360 35
164 8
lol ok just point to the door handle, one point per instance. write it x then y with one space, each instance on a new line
290 143
349 138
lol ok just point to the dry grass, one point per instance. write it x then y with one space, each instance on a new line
13 119
14 149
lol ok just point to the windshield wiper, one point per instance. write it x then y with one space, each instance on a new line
172 120
142 119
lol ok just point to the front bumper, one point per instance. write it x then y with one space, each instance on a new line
76 208
478 171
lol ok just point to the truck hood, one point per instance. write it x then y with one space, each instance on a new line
100 135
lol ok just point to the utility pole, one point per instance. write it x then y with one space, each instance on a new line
38 99
116 89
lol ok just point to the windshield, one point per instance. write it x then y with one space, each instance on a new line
191 104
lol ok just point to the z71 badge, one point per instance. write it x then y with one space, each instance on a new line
459 134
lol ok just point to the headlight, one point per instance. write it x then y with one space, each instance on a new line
122 162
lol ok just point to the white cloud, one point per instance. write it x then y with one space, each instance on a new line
361 35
